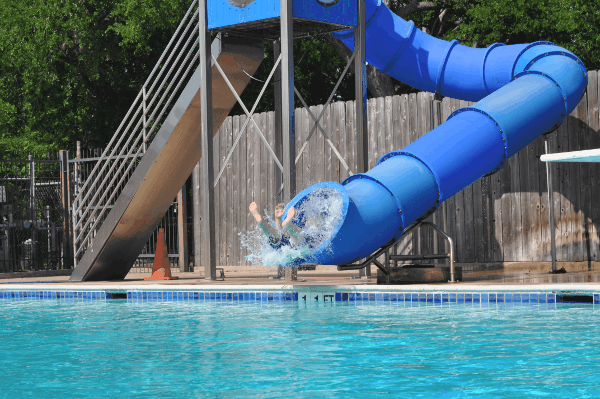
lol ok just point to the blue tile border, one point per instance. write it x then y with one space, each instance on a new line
356 298
443 298
62 296
213 296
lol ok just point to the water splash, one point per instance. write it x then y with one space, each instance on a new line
316 220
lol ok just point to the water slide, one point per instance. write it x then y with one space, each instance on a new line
522 91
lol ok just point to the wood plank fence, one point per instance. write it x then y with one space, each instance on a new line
499 218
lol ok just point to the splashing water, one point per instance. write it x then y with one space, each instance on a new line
317 217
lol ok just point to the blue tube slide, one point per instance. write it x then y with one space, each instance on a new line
522 91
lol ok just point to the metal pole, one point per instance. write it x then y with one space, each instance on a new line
360 88
197 212
78 169
48 236
7 256
287 101
278 139
32 207
278 134
206 122
184 264
145 122
551 208
66 219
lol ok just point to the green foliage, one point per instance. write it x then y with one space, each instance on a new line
70 69
572 24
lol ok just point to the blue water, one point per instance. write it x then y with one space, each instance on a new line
293 349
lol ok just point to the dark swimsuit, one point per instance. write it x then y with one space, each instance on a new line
276 244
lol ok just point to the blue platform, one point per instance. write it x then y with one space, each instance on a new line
263 13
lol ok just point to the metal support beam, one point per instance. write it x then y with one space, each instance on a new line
206 125
182 237
287 101
278 139
33 216
550 207
360 88
197 212
66 225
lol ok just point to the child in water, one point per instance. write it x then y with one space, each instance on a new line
284 233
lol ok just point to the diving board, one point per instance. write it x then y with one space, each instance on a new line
573 156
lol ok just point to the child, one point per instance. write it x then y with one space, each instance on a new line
284 233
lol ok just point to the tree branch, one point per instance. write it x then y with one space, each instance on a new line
378 84
416 6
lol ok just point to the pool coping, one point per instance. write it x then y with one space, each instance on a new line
573 288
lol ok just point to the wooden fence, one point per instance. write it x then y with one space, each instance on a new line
499 218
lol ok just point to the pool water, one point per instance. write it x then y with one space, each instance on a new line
270 350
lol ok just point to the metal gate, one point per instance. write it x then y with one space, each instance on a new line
31 213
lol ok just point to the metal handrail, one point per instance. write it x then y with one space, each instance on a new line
141 134
113 168
150 77
385 250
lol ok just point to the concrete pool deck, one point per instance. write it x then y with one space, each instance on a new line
535 277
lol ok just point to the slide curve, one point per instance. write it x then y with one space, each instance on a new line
522 91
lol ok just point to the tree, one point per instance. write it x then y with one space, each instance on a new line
70 70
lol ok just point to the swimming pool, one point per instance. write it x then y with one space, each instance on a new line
86 347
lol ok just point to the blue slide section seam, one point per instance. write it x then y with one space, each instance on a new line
364 176
487 52
562 92
435 175
505 156
402 47
377 10
534 44
531 63
345 34
438 80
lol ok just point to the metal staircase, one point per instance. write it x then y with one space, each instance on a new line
153 151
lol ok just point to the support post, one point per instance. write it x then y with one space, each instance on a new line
360 88
279 99
49 253
197 212
67 259
75 216
287 101
206 122
182 244
144 120
551 208
278 139
77 170
32 208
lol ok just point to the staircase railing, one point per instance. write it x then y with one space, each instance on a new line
146 115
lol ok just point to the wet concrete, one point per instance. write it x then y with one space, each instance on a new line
329 276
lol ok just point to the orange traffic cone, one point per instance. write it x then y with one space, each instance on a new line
161 269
